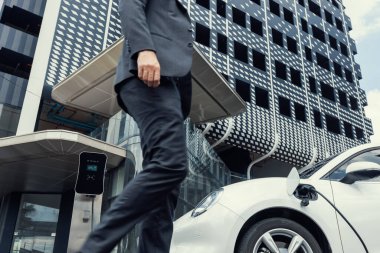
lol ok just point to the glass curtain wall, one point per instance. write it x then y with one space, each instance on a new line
36 224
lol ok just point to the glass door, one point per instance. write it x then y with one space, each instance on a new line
36 223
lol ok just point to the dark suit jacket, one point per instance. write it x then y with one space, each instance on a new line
163 26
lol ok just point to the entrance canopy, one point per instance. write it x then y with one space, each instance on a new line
47 161
90 88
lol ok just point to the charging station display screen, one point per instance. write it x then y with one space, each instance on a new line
93 168
90 179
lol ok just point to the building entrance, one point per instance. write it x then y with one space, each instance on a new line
36 223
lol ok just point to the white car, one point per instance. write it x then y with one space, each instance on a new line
333 206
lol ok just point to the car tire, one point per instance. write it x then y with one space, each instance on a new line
280 231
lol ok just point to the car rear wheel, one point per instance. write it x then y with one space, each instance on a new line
278 235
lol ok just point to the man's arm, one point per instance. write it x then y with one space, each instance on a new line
142 49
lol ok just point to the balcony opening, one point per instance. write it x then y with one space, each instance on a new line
292 45
338 69
289 16
262 97
308 54
281 70
327 91
221 8
284 106
329 17
22 20
332 124
241 52
349 76
354 103
323 61
274 8
339 24
305 27
204 3
244 90
348 130
202 34
343 49
14 63
318 119
359 133
333 42
318 34
300 112
314 8
259 60
222 43
342 98
277 37
295 76
256 26
238 17
312 85
256 2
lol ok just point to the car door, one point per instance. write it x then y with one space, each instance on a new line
359 202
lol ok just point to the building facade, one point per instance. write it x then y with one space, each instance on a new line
293 62
20 25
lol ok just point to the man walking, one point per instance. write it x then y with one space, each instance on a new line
153 84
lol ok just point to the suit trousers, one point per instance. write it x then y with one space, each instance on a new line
151 196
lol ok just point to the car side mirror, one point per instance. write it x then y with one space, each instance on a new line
359 171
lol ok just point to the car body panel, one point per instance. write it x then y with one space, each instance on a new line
349 199
217 230
209 237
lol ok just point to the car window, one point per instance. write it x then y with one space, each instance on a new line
306 173
370 156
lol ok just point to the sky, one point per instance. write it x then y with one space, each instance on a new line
365 17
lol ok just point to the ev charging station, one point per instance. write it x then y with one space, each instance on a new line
91 170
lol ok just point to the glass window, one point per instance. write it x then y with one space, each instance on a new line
277 37
295 76
202 34
308 53
36 223
284 106
300 112
323 61
256 26
221 8
314 8
313 84
288 16
369 156
241 52
238 17
317 118
222 43
259 60
244 90
204 3
305 27
333 124
292 45
274 8
281 71
262 97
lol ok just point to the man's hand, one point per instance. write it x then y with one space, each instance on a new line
149 68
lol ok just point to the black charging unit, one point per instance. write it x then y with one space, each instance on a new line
91 170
